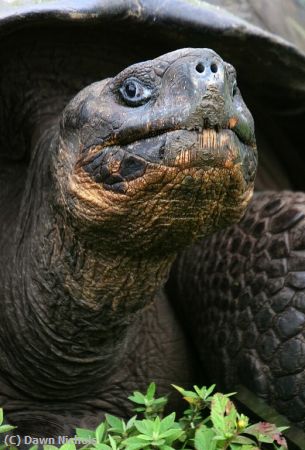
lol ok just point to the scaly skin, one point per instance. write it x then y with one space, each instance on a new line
242 298
115 188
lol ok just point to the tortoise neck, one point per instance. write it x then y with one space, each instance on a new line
81 300
108 288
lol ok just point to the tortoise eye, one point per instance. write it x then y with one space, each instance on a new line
131 89
134 92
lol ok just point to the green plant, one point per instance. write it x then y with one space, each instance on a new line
4 428
211 422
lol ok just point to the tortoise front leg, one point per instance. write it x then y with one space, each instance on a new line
243 294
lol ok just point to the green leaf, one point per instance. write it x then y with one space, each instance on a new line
179 389
6 428
218 408
140 409
200 392
204 439
85 434
131 422
35 447
1 416
151 391
99 432
160 401
138 398
134 443
112 443
156 425
243 447
171 435
167 422
185 393
145 437
203 392
115 423
135 446
68 446
101 446
145 426
210 390
243 440
45 447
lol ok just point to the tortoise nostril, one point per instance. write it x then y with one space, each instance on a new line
214 68
200 67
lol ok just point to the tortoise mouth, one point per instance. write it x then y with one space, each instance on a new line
181 149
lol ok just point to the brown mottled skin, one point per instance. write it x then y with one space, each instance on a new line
133 170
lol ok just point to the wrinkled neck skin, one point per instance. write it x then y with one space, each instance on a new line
68 309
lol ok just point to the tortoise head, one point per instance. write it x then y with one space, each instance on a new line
161 153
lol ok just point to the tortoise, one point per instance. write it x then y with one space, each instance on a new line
114 171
